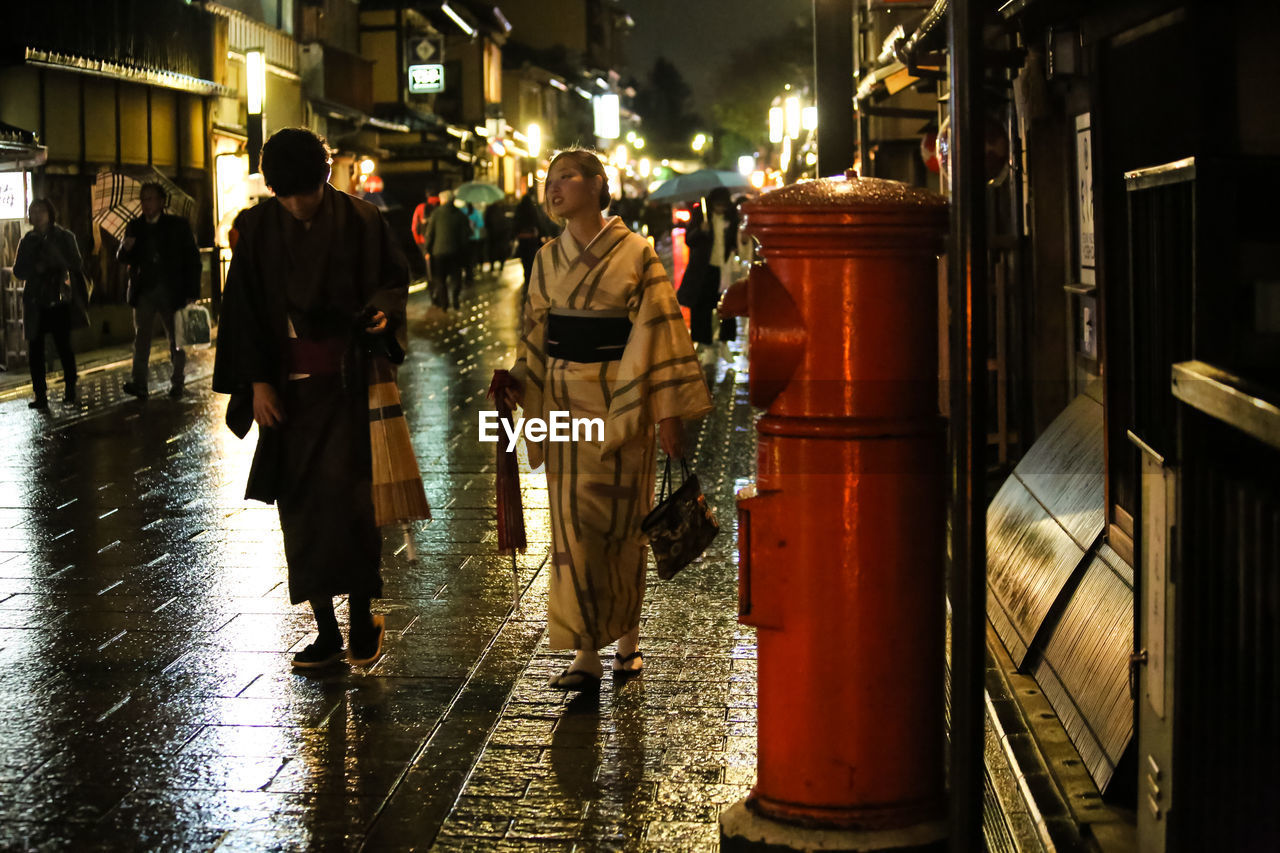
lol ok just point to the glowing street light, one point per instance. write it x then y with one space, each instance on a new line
746 165
255 91
638 142
792 105
809 118
367 166
699 142
645 167
775 125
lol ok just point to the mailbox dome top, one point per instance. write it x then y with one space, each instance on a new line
849 193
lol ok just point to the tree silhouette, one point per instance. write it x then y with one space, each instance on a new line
755 74
662 101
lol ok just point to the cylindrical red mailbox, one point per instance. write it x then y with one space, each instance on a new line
842 536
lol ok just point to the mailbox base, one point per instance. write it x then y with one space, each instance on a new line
743 830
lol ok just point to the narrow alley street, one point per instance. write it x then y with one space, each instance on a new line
146 696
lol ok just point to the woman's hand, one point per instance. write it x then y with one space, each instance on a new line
377 323
671 435
514 393
267 410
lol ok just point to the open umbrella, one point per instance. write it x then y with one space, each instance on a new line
511 536
478 193
116 197
696 185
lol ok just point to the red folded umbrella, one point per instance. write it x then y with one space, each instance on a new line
511 536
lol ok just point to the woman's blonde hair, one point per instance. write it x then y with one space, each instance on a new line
589 164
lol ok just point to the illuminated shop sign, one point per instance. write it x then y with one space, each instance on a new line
426 79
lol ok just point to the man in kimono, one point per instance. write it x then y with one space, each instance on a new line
316 274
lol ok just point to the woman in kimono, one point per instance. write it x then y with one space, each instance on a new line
603 338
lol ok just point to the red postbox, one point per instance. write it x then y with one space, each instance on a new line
841 537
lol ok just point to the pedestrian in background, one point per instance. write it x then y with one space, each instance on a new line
712 237
315 272
531 231
602 337
446 241
421 215
164 276
54 297
497 229
475 246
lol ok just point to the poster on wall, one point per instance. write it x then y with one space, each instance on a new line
13 195
1084 199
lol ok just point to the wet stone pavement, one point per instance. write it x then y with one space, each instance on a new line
146 697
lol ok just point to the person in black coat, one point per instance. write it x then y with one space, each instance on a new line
711 241
54 296
164 276
497 229
532 228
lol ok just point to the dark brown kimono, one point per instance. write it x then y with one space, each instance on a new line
315 466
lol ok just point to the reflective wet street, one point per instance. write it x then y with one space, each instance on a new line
146 696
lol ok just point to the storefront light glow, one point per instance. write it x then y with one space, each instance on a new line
757 179
645 167
255 68
367 166
631 136
792 108
534 138
809 118
606 109
746 164
699 142
776 126
638 142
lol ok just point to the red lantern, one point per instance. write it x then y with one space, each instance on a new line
995 145
929 151
373 184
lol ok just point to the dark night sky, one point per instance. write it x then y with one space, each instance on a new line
699 35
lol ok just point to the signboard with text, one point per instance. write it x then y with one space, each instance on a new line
426 79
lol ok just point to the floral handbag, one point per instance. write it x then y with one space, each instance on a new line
681 526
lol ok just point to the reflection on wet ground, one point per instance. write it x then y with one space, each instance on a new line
146 698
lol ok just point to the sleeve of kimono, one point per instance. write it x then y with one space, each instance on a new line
244 354
530 369
393 290
659 376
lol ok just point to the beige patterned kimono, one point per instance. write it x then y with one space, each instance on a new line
600 491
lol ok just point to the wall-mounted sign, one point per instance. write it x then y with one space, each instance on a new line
426 79
14 192
1084 199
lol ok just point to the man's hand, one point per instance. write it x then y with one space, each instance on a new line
671 435
377 323
267 409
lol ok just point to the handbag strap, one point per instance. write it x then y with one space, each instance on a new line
665 489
